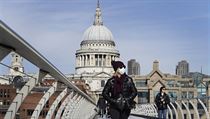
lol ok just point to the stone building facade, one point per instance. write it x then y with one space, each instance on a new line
178 88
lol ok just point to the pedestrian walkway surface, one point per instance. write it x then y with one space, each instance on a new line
130 117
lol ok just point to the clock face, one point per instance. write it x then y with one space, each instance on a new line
16 68
18 81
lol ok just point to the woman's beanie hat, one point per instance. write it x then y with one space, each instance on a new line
117 64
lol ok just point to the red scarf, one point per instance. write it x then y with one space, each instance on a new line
118 84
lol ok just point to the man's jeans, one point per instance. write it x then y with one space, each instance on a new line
162 114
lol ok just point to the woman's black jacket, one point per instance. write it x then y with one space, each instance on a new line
128 93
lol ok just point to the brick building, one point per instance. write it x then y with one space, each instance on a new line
7 94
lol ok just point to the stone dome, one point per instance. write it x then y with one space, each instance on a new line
98 32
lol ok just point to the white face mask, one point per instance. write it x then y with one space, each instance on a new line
121 70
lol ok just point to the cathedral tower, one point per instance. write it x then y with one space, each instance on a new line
16 65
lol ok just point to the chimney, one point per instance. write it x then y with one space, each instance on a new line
155 65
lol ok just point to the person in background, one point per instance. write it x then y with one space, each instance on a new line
120 92
101 105
162 100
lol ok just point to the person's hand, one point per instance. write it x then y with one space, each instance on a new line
120 103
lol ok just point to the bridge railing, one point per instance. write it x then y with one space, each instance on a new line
70 98
194 108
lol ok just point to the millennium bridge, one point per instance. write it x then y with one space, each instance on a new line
72 102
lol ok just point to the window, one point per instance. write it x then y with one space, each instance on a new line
143 97
47 104
4 102
192 116
142 83
173 96
8 93
190 94
5 93
8 102
102 83
30 112
171 83
184 95
201 90
1 93
16 68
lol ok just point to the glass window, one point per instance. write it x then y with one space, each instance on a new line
141 83
173 96
30 112
8 92
184 95
190 94
102 83
1 93
201 90
171 83
143 97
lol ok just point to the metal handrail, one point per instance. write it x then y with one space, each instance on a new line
16 43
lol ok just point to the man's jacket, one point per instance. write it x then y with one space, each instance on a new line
162 101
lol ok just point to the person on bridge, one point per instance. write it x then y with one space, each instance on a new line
162 100
120 92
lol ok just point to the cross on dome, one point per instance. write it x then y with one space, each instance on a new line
98 19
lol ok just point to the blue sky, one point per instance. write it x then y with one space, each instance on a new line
146 30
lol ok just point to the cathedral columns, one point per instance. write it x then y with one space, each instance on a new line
109 60
106 61
86 60
77 60
93 60
82 61
98 60
102 60
90 60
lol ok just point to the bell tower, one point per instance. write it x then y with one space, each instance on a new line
16 64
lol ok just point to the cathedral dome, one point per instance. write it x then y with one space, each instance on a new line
97 32
97 48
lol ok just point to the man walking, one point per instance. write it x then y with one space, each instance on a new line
162 100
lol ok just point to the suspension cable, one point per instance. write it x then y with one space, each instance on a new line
17 71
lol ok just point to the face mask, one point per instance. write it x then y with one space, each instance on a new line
121 70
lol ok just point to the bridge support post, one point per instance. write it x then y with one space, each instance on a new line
63 105
44 100
55 104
